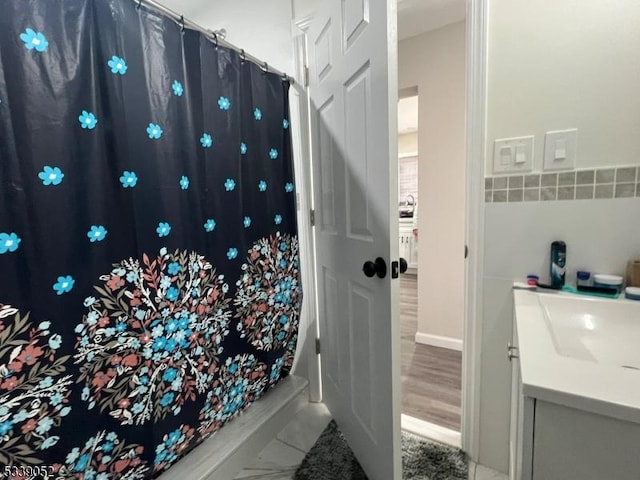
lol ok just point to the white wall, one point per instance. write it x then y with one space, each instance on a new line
558 64
435 63
555 64
304 8
263 29
407 143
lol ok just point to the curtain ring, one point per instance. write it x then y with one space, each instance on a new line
182 23
215 39
265 68
139 5
242 56
285 78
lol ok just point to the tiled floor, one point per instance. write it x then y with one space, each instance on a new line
280 458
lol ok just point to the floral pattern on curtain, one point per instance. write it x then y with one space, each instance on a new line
149 266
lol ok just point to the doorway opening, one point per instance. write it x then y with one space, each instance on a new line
431 209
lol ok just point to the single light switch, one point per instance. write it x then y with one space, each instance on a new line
513 154
521 154
560 149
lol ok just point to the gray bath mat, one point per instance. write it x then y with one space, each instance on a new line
332 459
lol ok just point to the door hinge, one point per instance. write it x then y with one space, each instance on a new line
317 346
312 217
306 76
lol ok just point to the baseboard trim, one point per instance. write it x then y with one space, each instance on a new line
431 431
438 341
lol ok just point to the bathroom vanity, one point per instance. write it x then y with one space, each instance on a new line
575 402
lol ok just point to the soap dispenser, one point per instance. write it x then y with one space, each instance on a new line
558 263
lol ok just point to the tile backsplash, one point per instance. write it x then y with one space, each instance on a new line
599 183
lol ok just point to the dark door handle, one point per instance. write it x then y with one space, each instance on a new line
403 265
379 268
466 251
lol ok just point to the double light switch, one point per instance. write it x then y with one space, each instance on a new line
513 155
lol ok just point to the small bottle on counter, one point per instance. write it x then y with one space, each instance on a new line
583 278
558 263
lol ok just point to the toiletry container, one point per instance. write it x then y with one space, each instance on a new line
583 279
632 293
558 263
608 281
633 272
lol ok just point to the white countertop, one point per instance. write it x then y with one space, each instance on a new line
598 388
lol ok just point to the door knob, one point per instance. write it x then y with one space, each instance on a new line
379 268
403 265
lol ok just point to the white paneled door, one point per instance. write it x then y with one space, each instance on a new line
353 89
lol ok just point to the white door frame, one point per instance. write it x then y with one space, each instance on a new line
476 97
476 58
308 360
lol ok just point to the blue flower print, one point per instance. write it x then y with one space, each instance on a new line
174 268
117 65
210 225
277 219
184 182
288 187
9 242
285 123
154 131
172 294
97 233
262 186
206 140
55 341
49 442
163 229
167 399
224 103
178 89
51 176
33 40
257 114
170 374
273 154
64 284
87 120
246 222
128 179
230 184
5 427
243 148
232 253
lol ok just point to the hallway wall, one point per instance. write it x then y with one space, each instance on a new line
435 63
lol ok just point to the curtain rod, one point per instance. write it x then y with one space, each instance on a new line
212 36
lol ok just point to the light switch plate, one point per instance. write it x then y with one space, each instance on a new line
513 155
560 149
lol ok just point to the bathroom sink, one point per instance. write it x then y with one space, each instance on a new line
597 330
580 352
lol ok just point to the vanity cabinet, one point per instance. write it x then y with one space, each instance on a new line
408 244
521 424
549 441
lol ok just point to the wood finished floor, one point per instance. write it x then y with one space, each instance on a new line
431 376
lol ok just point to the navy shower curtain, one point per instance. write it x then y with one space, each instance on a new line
149 268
